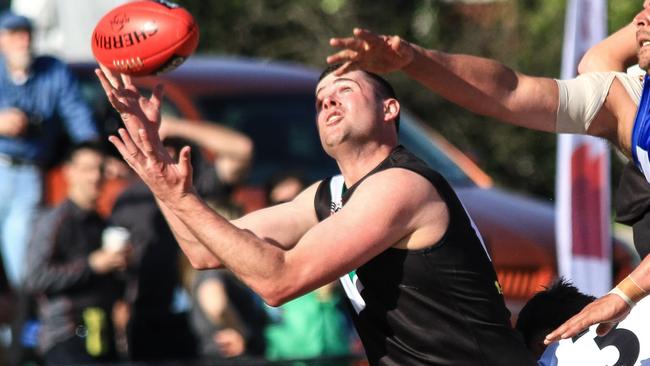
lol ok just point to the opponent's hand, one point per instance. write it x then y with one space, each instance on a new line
371 52
607 311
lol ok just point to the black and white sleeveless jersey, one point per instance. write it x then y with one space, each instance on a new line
441 305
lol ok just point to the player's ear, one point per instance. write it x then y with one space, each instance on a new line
391 109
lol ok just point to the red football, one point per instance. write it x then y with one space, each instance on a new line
145 37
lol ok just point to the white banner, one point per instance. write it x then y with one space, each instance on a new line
583 229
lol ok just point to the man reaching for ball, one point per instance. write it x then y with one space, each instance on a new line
421 284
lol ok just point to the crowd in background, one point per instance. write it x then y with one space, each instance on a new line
96 275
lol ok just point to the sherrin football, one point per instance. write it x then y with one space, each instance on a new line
145 37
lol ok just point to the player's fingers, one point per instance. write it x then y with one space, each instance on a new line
347 66
129 145
105 83
368 36
126 81
129 157
348 42
147 147
604 328
342 56
557 334
157 95
185 161
111 77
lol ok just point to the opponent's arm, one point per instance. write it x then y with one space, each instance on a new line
610 309
481 85
614 53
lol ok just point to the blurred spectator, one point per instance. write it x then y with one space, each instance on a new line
284 186
150 328
315 324
37 94
232 153
74 277
227 317
64 27
155 329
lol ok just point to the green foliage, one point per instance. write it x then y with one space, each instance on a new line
524 34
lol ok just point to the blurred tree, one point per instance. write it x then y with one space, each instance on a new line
524 34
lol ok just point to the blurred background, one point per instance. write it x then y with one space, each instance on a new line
524 34
256 54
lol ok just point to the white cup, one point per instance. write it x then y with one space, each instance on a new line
114 238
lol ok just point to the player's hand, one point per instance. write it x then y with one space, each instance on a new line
607 311
371 52
13 122
136 111
139 144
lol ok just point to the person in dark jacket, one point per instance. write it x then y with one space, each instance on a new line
76 278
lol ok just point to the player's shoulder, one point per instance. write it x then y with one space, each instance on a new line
397 181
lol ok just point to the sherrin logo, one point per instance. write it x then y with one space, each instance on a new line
109 42
118 22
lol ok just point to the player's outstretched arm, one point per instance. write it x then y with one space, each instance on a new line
610 309
481 85
615 53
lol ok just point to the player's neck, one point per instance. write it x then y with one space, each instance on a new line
355 163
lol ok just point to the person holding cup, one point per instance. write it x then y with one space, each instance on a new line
75 264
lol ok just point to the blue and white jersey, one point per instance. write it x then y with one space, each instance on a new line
626 345
641 132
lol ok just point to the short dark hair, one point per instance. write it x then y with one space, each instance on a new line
385 90
93 145
550 308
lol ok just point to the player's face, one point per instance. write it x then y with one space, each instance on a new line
642 21
346 107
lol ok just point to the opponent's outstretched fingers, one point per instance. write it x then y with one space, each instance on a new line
570 328
347 66
347 42
368 36
604 328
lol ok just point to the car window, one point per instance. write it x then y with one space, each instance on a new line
283 131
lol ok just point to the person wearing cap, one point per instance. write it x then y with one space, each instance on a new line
39 101
35 94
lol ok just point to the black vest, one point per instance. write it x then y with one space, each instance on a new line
437 306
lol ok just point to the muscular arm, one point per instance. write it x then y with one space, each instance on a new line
337 245
481 85
281 225
615 53
487 87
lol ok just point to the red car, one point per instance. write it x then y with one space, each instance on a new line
273 103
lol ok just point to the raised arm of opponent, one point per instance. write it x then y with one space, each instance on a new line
481 85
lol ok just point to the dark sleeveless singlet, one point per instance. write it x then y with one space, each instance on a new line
437 306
